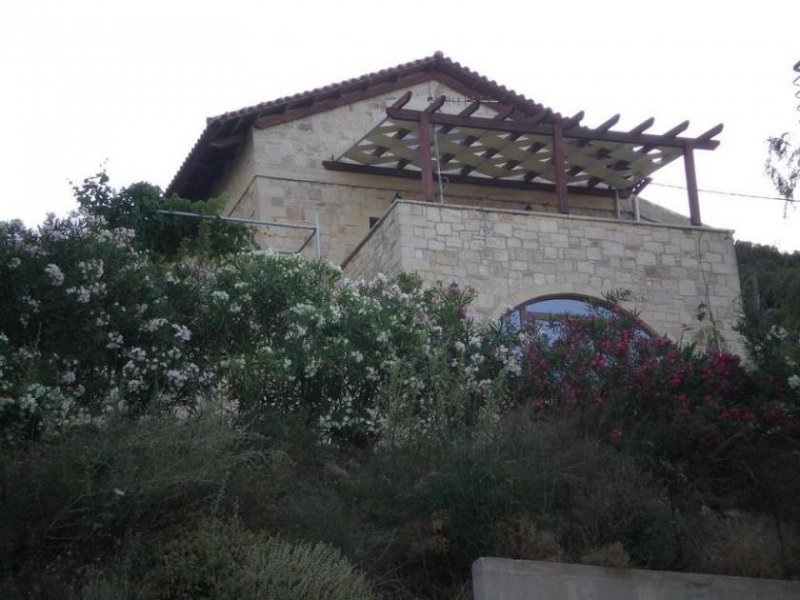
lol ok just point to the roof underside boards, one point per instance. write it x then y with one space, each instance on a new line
510 157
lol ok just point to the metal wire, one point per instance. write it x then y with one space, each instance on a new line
797 83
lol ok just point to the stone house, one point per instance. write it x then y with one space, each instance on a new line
433 168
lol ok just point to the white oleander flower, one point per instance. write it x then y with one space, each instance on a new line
54 272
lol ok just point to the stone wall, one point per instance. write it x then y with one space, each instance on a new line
379 252
512 256
503 579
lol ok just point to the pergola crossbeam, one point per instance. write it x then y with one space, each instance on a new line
631 137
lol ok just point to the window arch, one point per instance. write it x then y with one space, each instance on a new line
547 310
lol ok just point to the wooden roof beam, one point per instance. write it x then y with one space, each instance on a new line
708 135
504 113
634 136
471 108
402 100
672 133
573 120
602 128
677 130
228 142
642 127
607 124
432 107
636 131
458 179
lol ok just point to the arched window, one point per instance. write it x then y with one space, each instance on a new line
546 311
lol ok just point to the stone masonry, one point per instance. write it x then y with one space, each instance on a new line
510 257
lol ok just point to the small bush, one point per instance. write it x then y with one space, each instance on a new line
611 555
216 559
741 544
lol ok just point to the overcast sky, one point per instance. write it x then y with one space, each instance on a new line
131 83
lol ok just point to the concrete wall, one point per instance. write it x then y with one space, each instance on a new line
511 256
503 579
279 176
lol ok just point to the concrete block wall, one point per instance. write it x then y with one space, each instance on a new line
504 579
510 257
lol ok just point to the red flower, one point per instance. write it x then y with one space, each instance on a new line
616 436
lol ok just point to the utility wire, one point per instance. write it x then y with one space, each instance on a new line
721 193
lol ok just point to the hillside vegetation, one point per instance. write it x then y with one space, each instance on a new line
185 417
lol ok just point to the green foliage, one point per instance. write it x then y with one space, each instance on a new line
271 333
86 328
85 490
783 165
771 309
219 560
142 208
373 420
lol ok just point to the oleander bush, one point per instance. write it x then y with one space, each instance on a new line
194 418
92 326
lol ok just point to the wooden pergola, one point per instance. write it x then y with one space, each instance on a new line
541 152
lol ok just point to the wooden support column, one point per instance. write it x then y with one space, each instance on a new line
691 183
560 168
425 165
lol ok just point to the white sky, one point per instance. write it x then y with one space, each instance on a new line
87 81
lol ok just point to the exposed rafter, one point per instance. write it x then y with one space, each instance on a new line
540 151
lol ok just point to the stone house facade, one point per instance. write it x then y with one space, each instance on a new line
432 168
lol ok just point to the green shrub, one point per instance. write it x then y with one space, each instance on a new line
73 499
742 544
214 559
534 489
270 333
142 207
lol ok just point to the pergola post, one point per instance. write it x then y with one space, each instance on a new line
560 168
691 183
425 165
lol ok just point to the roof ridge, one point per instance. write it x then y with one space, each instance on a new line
351 81
437 59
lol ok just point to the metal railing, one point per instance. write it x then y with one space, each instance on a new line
314 229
